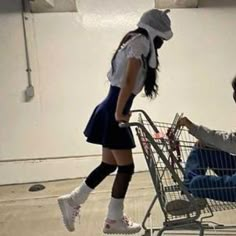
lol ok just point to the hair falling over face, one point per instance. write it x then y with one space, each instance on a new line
234 83
234 88
150 85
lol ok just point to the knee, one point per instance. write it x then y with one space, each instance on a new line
194 156
195 151
127 169
107 168
198 153
199 156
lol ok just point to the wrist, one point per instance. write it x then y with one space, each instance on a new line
119 112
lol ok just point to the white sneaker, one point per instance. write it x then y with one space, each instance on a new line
122 226
69 212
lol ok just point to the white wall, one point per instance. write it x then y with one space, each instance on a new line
70 55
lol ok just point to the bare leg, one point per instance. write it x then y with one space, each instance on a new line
108 157
123 157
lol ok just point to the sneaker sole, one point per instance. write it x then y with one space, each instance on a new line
63 210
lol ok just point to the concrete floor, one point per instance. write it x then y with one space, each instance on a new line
24 213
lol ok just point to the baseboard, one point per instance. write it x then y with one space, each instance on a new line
18 172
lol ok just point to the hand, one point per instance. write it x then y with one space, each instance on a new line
184 122
122 118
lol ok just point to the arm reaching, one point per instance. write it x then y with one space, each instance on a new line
219 139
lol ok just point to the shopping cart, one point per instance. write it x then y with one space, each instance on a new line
166 149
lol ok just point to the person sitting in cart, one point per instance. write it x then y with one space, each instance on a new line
216 150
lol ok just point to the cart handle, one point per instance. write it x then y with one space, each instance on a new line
147 117
129 124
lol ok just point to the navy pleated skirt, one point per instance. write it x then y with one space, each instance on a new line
102 127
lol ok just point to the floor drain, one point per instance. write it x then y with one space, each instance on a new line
36 187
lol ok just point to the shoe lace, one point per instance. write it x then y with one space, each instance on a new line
75 212
127 220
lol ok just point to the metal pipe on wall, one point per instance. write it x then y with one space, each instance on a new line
29 91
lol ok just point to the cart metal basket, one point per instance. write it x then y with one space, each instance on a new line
166 149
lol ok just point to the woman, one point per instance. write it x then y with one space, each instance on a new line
133 67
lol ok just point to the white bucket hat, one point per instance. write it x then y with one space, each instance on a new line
156 23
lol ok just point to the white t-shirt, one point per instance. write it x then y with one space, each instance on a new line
137 47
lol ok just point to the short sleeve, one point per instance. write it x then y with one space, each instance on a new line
137 46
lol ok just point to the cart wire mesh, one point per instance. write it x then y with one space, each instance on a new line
166 150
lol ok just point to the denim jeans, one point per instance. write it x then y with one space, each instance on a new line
221 186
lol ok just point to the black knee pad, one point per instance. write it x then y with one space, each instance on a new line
121 183
107 168
99 174
128 169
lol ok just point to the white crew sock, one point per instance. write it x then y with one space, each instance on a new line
80 194
115 209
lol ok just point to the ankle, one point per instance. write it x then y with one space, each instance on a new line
72 203
80 194
115 209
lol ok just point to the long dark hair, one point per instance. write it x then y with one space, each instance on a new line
150 85
233 83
